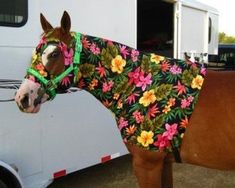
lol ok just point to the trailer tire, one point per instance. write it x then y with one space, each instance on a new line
8 180
2 184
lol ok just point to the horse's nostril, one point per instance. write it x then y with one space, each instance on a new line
25 101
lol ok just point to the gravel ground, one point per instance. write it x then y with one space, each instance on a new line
118 174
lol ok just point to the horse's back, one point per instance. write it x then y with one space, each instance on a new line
210 136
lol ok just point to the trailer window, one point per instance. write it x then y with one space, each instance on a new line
13 13
209 30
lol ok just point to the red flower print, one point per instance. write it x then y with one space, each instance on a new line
106 103
184 122
162 142
165 66
81 84
152 111
85 43
101 70
134 76
131 98
65 81
130 130
180 88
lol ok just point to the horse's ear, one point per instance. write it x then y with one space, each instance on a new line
65 22
46 26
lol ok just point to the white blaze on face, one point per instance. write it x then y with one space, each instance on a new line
49 49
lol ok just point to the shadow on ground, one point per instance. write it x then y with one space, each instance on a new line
118 174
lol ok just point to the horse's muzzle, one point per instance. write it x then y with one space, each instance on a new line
29 97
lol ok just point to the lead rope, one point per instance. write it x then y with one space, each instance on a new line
9 84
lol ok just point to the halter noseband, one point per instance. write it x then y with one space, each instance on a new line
50 85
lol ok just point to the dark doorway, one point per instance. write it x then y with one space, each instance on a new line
155 27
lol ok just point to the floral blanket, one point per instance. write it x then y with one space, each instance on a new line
152 97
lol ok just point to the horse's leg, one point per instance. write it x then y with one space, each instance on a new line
147 166
167 176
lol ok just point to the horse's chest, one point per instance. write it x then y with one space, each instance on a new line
154 110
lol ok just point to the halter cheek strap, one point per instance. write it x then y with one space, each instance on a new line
50 86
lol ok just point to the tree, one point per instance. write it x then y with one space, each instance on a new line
223 38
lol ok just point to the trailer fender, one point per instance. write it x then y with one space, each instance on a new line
7 173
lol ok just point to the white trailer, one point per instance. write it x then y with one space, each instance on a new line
62 138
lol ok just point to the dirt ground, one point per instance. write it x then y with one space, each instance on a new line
118 174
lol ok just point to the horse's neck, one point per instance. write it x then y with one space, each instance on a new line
98 75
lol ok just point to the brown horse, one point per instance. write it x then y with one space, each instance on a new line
209 140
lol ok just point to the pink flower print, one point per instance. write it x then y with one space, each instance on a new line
134 55
175 69
131 98
68 54
68 57
94 49
144 81
107 86
124 51
122 123
138 117
203 71
190 99
63 47
185 103
171 130
101 70
134 76
162 142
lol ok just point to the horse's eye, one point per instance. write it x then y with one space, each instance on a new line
54 54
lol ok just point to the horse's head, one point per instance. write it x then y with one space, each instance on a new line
53 67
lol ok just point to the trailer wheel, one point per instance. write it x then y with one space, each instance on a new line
8 180
2 184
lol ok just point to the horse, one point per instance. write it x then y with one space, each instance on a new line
151 116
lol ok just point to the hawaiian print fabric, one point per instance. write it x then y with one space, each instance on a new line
151 96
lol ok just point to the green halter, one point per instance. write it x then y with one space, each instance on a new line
51 85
